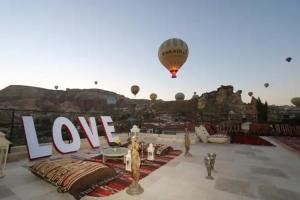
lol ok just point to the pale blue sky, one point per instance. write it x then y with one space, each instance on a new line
73 43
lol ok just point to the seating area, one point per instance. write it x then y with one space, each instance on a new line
212 137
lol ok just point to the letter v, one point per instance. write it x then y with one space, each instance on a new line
90 131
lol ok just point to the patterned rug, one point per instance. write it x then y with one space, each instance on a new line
249 139
124 180
291 143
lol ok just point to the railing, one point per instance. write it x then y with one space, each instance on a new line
10 123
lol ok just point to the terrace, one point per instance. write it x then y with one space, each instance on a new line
242 172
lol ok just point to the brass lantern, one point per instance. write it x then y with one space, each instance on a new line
4 145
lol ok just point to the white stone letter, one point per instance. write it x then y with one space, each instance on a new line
90 130
107 129
58 141
34 148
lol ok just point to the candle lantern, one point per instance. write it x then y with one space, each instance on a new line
135 131
128 161
4 146
150 151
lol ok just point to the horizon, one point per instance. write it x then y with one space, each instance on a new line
186 99
74 43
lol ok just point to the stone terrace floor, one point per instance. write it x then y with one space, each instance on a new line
243 172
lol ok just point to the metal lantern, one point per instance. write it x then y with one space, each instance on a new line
135 130
150 151
128 161
4 145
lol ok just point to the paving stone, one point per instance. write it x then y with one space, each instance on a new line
268 171
239 187
262 158
245 152
5 192
270 192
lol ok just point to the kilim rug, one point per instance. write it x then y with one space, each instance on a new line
124 180
249 139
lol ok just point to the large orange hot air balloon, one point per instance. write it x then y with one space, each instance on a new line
135 89
172 54
153 96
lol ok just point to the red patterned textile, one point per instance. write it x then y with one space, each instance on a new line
249 139
74 176
125 179
211 129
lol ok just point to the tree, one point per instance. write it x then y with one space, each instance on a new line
262 111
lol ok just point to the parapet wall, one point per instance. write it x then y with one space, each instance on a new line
20 152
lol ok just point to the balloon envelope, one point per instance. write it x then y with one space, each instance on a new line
296 101
153 96
195 96
56 87
172 54
266 85
96 82
135 89
250 94
179 96
288 59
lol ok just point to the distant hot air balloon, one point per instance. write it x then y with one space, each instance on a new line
266 85
56 87
135 89
288 59
96 82
296 101
250 94
172 54
179 96
153 96
195 96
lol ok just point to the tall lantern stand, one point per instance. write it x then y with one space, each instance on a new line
4 146
150 151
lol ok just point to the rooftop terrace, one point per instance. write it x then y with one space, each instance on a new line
243 172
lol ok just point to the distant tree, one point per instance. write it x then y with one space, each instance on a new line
262 111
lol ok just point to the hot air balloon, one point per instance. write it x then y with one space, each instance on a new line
56 87
266 85
195 96
172 54
153 96
250 94
288 59
296 101
96 82
135 89
179 96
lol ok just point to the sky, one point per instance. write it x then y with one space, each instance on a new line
72 43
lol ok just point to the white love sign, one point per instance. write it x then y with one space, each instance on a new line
36 150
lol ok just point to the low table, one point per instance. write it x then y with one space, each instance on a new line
114 153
